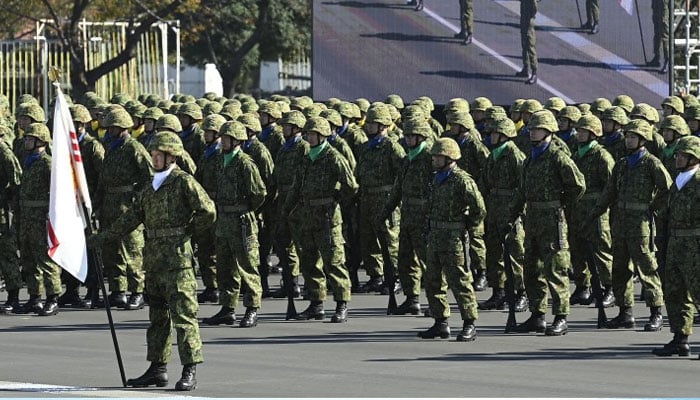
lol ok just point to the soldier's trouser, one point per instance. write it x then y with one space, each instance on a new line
477 252
412 256
495 267
285 246
40 270
370 207
265 241
593 11
660 17
446 269
602 252
528 41
9 263
466 15
328 242
237 261
172 300
123 260
682 282
637 250
206 257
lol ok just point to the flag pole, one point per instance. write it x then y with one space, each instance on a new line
641 33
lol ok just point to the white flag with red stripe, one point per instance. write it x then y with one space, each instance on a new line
627 5
69 193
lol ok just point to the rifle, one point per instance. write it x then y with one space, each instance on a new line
390 280
511 295
596 284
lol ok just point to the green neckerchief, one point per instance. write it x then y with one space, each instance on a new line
498 151
668 150
413 153
230 156
582 150
314 152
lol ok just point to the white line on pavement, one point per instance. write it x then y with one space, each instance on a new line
75 391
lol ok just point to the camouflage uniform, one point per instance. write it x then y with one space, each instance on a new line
271 137
528 37
207 176
10 177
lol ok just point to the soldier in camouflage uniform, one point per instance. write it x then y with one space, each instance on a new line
477 109
378 165
40 270
349 130
474 157
673 128
529 107
240 192
322 181
645 111
126 170
466 18
271 134
206 175
551 182
682 282
613 120
150 117
660 18
172 207
336 122
171 123
638 188
192 135
567 119
10 175
598 107
592 16
596 165
454 206
528 40
27 114
692 117
625 102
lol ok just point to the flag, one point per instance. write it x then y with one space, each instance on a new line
69 193
627 5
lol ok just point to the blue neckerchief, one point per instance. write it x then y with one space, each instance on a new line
537 151
633 159
341 131
612 138
116 143
187 132
697 133
106 139
441 177
487 141
148 138
376 141
266 132
332 137
211 150
480 126
566 136
247 144
524 131
82 136
31 158
289 143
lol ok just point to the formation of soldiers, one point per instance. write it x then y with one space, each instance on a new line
520 200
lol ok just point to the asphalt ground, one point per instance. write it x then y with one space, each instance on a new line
371 48
372 355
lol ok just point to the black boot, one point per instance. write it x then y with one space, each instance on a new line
209 295
656 320
623 320
439 329
410 306
523 73
497 301
558 327
608 297
50 307
117 299
225 316
521 303
480 282
532 79
156 374
460 35
250 319
188 381
679 345
12 303
266 292
70 298
468 332
313 311
33 305
374 284
341 312
135 302
468 39
396 287
582 295
535 323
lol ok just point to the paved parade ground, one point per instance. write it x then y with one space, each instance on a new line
71 355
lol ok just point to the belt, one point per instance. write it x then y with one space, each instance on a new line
34 203
241 208
543 205
323 201
120 189
379 189
502 192
684 232
415 201
624 205
449 226
590 196
164 232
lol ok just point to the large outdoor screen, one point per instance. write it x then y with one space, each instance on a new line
371 48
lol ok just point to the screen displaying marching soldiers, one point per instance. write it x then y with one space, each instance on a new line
574 49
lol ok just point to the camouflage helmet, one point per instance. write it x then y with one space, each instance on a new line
570 112
235 102
33 111
192 110
318 125
152 113
300 103
380 114
284 106
585 108
119 118
5 131
463 119
395 100
167 142
677 124
531 106
446 147
692 112
554 104
457 104
429 104
169 122
592 123
80 113
27 98
137 110
689 145
332 116
625 102
235 130
249 107
272 109
616 114
600 104
363 104
250 122
40 131
201 102
120 98
413 111
213 122
295 118
209 96
495 112
348 110
543 119
187 98
165 105
94 102
174 108
418 127
212 107
480 104
517 103
645 111
151 100
504 126
231 111
641 128
314 110
690 100
675 102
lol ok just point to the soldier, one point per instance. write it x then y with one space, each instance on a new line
349 130
501 179
171 123
190 114
551 182
240 192
673 128
598 106
529 107
477 109
377 167
271 135
321 182
27 114
625 102
336 122
126 170
555 105
515 115
528 40
171 207
692 116
660 18
596 165
566 120
613 120
681 282
637 188
454 206
150 116
206 175
473 160
40 270
592 17
673 105
10 175
466 18
646 112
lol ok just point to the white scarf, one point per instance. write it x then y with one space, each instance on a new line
684 177
159 177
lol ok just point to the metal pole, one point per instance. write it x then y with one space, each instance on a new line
177 57
641 33
164 50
